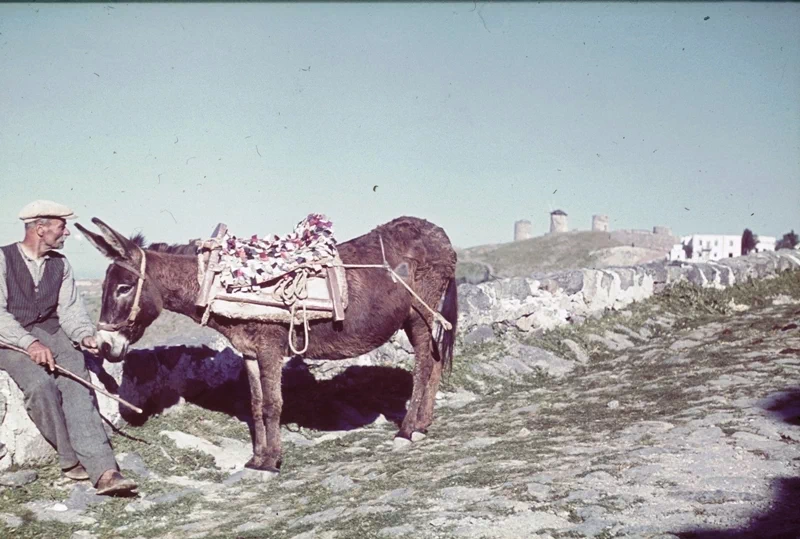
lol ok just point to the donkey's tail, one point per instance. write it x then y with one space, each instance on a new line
446 338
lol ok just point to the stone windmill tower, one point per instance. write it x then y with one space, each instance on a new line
522 230
600 223
558 222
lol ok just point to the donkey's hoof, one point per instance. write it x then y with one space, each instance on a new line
260 464
417 436
260 475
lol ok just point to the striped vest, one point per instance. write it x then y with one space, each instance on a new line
33 305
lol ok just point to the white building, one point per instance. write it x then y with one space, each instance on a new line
765 243
677 252
702 247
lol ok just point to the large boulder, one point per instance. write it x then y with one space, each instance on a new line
23 442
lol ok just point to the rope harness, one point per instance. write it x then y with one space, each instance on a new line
395 278
291 289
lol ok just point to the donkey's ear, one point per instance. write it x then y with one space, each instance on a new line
100 243
120 243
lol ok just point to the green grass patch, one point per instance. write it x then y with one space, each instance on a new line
13 500
463 374
689 300
34 529
161 454
42 489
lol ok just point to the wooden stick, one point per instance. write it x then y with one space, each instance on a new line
77 378
314 304
212 266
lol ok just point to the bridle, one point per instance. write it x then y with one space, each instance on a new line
141 276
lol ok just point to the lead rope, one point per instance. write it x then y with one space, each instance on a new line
294 350
290 291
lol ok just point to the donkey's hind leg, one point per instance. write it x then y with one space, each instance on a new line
425 412
427 374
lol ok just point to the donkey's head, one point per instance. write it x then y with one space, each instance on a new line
131 301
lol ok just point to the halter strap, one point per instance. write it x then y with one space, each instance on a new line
139 283
130 268
141 276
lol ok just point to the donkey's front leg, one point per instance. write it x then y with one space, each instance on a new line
271 363
257 407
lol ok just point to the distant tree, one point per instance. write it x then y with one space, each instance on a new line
688 250
788 241
748 241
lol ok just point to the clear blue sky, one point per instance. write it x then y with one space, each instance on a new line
169 118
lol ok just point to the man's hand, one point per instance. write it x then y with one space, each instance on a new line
90 344
41 355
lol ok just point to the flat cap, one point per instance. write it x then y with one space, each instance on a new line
42 209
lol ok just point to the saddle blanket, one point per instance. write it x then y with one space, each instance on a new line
248 263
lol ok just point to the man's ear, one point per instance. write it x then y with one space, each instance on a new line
39 228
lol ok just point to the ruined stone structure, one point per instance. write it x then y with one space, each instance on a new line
558 222
659 238
600 223
523 230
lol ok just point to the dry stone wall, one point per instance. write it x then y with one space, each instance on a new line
547 301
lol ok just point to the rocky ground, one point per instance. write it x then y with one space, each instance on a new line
679 416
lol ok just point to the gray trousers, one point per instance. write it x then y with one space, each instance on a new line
64 411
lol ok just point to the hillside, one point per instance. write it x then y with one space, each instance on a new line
556 252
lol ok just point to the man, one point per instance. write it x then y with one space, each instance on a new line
41 312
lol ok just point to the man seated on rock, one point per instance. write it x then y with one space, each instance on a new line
42 313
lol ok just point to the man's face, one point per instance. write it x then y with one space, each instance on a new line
54 233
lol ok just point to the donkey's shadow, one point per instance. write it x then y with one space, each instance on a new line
159 378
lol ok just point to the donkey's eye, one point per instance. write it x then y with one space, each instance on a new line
123 289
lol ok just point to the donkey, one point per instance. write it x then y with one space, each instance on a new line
140 282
